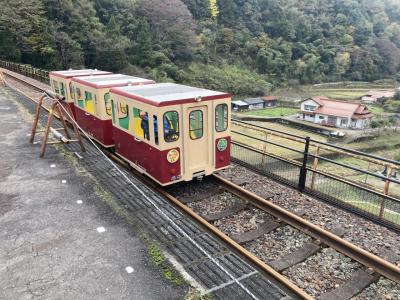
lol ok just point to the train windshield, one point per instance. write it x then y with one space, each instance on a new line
221 117
171 126
196 124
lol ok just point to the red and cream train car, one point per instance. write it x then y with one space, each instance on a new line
60 82
93 105
172 132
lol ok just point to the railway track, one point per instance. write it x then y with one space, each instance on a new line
370 267
273 218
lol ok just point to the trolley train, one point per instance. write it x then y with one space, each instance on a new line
91 97
170 132
60 82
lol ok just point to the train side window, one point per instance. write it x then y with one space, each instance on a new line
155 125
137 129
56 87
80 101
89 102
171 126
196 124
107 103
123 115
221 117
141 124
113 111
71 90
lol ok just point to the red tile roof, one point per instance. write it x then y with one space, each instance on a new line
380 94
269 98
341 108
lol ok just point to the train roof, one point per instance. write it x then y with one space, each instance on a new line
75 73
109 81
164 94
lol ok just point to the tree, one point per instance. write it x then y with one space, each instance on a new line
214 11
342 63
390 56
173 22
23 26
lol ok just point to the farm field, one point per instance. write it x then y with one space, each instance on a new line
281 141
273 112
339 94
351 91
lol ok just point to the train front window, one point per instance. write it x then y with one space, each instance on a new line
56 87
196 124
171 126
62 89
221 117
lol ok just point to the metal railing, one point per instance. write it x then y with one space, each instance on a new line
305 170
27 70
319 173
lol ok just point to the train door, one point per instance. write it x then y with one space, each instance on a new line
197 154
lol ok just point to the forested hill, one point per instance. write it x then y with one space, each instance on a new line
241 46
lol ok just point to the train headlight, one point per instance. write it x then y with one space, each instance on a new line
173 156
222 144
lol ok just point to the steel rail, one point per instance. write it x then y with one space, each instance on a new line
25 82
229 241
356 253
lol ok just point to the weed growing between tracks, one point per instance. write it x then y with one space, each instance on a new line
158 258
196 295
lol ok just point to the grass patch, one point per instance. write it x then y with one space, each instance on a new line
339 94
273 112
374 209
196 295
277 150
160 261
376 109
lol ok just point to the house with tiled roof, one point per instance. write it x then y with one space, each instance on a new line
374 96
341 114
270 101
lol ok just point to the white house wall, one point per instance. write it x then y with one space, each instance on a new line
309 102
318 119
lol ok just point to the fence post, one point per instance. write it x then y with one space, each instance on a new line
315 166
303 169
264 149
385 191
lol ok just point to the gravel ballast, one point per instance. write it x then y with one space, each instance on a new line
322 272
282 241
362 232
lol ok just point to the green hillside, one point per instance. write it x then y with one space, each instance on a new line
244 47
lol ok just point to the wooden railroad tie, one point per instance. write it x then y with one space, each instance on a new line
58 106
